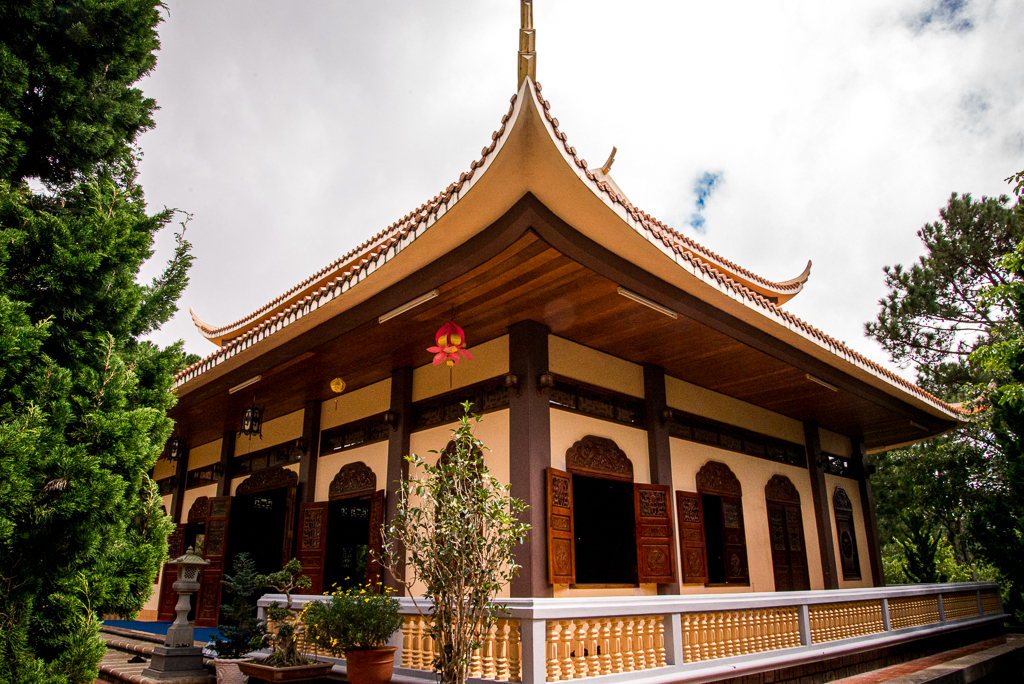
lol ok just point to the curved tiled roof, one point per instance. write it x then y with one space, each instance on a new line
366 258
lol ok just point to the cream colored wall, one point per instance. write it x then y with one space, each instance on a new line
166 501
275 432
704 402
753 474
593 367
191 495
493 431
163 468
490 359
373 455
833 443
204 455
351 406
566 429
239 480
853 489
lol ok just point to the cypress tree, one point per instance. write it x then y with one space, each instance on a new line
83 394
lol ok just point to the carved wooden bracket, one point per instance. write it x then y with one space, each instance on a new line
200 509
716 478
599 457
841 500
265 480
354 479
781 489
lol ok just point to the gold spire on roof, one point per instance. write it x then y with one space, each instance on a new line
527 43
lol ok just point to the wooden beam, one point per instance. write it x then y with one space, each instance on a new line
398 467
658 446
227 452
529 420
178 498
308 461
867 503
819 494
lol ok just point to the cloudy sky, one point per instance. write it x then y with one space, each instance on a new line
772 132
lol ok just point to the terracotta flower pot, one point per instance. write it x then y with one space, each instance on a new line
296 673
372 666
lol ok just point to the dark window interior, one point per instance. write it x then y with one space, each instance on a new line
713 538
605 527
257 527
194 537
348 536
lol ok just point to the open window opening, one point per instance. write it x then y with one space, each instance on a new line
340 539
712 536
604 529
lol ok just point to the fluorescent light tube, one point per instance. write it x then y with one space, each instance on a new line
411 304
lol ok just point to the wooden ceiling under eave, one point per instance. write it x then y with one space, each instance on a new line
532 266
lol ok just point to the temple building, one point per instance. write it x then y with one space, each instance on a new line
673 428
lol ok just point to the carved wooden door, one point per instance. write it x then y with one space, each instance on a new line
313 542
561 542
734 541
691 537
215 551
168 597
374 545
789 557
655 545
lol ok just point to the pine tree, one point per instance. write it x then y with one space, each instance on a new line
83 394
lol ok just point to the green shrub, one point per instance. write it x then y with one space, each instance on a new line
352 620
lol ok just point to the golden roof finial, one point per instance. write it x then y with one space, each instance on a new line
527 43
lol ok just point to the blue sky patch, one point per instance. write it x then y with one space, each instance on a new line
945 14
703 187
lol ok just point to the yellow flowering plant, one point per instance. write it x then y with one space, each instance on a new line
356 619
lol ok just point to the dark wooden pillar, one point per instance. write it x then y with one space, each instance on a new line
398 449
227 452
307 464
529 420
178 498
658 446
819 494
867 503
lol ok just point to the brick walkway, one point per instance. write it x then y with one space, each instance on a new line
894 672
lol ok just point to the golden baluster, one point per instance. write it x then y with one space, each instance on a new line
659 641
639 654
580 647
406 642
417 643
568 667
718 642
428 648
651 636
515 653
606 645
501 630
593 646
617 663
686 622
705 636
628 664
553 640
730 634
491 653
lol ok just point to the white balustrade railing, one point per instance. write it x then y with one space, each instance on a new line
670 638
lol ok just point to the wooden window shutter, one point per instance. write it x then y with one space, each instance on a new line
169 597
561 540
655 545
692 550
313 543
373 559
214 550
734 541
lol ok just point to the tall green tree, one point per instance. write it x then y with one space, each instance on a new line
937 313
83 394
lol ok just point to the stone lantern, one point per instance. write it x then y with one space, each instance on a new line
179 657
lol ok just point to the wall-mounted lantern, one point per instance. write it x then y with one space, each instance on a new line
511 382
177 449
545 381
390 418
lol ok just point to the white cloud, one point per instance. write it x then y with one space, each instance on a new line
293 131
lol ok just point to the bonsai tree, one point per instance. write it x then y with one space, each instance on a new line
457 528
356 619
286 636
243 632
